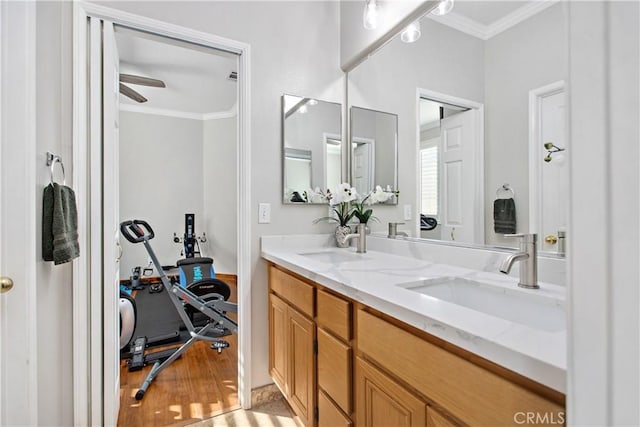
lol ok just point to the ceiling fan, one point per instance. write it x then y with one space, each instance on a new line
137 80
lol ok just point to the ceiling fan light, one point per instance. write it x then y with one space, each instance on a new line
370 15
443 8
411 33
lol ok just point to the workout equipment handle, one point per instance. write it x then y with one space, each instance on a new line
136 230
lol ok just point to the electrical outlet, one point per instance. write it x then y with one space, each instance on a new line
407 212
264 213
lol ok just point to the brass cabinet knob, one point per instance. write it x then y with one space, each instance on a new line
551 239
5 284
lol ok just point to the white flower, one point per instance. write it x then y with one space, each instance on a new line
344 193
379 196
316 195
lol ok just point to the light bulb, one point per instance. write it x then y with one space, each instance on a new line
370 15
411 33
302 109
443 8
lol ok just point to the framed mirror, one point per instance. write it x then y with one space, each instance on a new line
374 151
312 147
505 76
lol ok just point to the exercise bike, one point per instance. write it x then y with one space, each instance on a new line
206 295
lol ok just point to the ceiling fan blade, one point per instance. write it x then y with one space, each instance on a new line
139 80
128 92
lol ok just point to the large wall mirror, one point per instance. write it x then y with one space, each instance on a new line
312 147
481 121
374 149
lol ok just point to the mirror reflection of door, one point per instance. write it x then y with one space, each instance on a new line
363 164
297 167
549 167
447 135
332 160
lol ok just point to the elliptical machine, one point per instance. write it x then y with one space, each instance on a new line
210 301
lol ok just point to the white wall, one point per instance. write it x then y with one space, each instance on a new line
388 80
290 53
220 179
527 56
161 179
54 283
604 234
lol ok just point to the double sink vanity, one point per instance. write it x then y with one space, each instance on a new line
399 336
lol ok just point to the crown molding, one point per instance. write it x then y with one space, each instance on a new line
517 16
485 32
142 109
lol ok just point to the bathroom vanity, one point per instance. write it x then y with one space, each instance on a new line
378 339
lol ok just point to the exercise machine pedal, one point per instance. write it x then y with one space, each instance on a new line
219 345
137 354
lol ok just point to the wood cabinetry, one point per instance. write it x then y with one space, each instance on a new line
292 354
340 363
380 401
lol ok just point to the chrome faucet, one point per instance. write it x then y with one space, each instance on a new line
361 235
529 261
393 230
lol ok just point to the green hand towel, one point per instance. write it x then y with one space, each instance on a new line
59 224
504 216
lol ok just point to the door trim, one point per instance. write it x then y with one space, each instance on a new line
89 402
479 224
535 158
18 128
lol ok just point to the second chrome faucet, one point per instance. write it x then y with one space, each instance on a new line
528 257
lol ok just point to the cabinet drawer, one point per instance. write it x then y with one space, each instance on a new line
472 394
334 314
334 369
329 415
292 289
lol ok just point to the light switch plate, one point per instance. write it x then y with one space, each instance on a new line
264 213
407 212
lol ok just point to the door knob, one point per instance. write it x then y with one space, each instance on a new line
551 239
5 284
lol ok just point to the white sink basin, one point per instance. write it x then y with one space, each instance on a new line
526 308
334 257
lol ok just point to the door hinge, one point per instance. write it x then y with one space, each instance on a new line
316 414
315 346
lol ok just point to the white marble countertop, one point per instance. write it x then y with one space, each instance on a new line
371 279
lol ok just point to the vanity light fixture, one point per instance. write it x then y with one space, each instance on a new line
411 33
443 8
370 15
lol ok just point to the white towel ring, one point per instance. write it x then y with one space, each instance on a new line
505 192
52 159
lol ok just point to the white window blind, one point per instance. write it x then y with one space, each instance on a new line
429 181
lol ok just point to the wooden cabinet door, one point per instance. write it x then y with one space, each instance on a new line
302 366
278 342
381 402
436 419
334 369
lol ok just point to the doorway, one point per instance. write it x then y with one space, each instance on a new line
96 400
450 168
177 171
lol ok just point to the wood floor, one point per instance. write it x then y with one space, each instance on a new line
199 385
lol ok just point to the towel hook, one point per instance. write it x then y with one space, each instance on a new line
52 159
505 187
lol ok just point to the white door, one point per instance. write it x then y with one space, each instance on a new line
363 168
111 216
18 316
457 139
